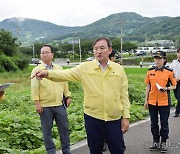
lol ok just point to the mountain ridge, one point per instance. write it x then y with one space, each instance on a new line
130 25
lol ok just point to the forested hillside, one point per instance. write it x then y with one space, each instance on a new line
131 25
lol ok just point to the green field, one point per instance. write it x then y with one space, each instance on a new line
20 124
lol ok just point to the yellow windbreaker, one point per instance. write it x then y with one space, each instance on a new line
48 92
105 93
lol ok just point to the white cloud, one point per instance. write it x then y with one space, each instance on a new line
83 12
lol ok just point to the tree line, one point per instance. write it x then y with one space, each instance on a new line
14 56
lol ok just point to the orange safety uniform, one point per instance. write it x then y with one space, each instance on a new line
164 77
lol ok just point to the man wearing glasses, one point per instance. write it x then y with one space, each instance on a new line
47 96
106 103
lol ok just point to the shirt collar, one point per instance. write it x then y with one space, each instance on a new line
103 68
49 67
160 69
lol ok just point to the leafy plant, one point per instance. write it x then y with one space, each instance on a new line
20 124
7 64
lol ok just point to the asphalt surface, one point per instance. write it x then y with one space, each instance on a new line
139 138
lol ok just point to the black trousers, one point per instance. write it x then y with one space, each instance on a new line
162 130
97 130
177 95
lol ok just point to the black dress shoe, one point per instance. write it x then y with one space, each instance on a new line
176 115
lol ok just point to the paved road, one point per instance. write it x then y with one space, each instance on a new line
138 139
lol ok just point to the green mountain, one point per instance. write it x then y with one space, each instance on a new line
130 25
29 30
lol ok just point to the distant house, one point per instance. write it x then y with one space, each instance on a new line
145 49
160 42
164 45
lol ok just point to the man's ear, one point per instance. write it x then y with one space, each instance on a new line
110 50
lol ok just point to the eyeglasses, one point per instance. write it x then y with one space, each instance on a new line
100 49
45 53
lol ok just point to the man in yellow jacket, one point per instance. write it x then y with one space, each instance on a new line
47 96
106 103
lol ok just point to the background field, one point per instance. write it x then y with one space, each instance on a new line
20 125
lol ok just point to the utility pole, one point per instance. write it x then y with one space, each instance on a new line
121 39
17 33
33 50
73 47
80 49
121 47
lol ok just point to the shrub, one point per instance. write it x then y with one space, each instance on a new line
171 57
6 64
1 68
21 62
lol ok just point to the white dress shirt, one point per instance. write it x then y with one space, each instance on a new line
175 65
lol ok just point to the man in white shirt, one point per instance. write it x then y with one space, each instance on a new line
176 68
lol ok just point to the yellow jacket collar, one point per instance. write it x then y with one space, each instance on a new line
96 64
43 65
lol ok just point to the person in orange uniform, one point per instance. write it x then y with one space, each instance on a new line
159 81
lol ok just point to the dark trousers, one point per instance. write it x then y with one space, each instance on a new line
59 114
97 130
163 112
177 95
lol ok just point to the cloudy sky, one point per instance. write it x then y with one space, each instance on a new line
84 12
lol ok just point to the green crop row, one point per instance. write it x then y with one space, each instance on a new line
20 124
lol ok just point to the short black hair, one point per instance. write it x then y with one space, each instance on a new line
112 54
47 45
102 38
178 50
